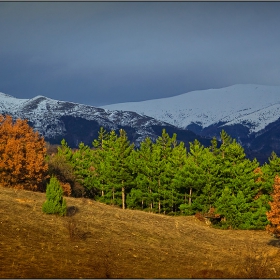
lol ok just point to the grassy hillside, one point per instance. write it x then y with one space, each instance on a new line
101 241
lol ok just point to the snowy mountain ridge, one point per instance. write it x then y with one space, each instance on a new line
254 106
56 119
249 113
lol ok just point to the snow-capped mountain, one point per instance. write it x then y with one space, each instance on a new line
250 113
80 123
255 106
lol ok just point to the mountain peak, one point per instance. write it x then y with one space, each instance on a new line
229 105
77 122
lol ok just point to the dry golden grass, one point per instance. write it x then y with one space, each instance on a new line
101 241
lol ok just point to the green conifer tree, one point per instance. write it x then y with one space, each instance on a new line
226 141
235 171
274 164
243 187
122 171
210 189
269 171
190 178
55 203
101 140
105 160
65 151
99 155
114 171
83 163
178 162
163 173
232 208
142 168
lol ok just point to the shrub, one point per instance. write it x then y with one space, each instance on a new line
66 188
186 209
55 204
60 168
274 214
199 216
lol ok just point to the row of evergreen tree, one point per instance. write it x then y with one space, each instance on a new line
164 177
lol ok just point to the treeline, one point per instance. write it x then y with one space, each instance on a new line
161 177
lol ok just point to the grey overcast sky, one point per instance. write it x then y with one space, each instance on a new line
100 53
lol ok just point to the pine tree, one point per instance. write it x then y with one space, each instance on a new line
226 141
143 167
274 164
234 210
123 170
55 204
103 136
104 162
214 147
243 187
162 175
196 176
65 151
259 208
190 178
268 172
236 172
239 212
113 166
210 189
84 169
135 199
178 162
153 166
99 155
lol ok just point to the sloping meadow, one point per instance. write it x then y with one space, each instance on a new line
101 241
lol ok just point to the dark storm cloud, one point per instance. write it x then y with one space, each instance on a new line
101 53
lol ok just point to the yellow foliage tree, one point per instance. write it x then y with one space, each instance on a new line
274 214
22 155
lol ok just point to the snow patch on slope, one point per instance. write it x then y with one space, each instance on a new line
8 102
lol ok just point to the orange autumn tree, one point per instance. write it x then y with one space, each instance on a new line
274 214
22 155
